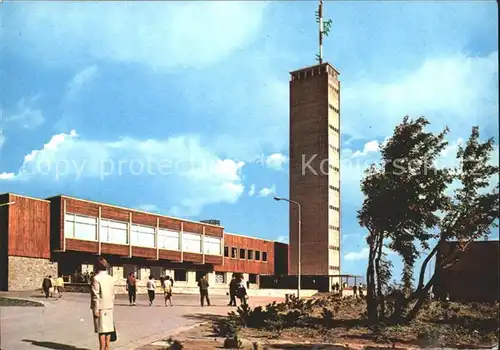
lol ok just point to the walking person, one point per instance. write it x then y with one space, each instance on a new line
233 286
151 286
60 285
53 288
131 288
203 285
355 291
46 286
102 300
167 290
241 291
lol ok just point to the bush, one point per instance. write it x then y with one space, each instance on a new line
174 344
227 327
327 316
232 343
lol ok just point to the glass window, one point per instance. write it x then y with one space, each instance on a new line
114 231
234 251
80 226
212 245
252 278
220 277
130 268
180 275
156 272
168 239
143 236
242 253
191 242
226 252
250 254
257 255
264 256
200 274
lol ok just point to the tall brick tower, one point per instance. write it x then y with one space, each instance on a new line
315 171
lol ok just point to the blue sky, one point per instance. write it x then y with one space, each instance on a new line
182 108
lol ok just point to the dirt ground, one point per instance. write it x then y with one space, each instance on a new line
454 325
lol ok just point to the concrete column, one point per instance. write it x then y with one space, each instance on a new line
99 230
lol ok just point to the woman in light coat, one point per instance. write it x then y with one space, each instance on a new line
102 300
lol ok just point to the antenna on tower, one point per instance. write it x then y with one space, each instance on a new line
324 29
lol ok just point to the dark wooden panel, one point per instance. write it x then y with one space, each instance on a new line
82 246
144 252
214 231
29 227
170 223
245 265
193 227
114 214
192 257
170 255
144 219
4 242
76 206
56 223
115 249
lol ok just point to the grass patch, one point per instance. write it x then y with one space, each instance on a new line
5 302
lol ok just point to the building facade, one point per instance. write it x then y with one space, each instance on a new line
62 235
474 277
315 170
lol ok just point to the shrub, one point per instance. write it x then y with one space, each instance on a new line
227 327
174 344
232 343
327 316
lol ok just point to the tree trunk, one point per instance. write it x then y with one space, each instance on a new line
420 299
380 296
371 301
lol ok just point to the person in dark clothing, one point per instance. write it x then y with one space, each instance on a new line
203 285
337 286
131 288
46 285
233 286
355 291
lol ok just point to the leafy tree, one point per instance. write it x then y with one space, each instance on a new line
406 205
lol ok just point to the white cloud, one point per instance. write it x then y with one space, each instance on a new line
79 80
275 161
456 90
26 115
282 239
371 146
361 255
177 168
251 192
7 176
157 34
2 138
267 191
149 207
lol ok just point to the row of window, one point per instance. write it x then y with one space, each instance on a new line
334 268
334 208
245 254
334 168
332 247
333 107
334 188
334 88
336 149
111 231
331 227
334 128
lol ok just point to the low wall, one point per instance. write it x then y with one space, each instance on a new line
28 273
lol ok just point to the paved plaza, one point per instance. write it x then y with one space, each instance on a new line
66 323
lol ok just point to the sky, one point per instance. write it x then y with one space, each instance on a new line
181 108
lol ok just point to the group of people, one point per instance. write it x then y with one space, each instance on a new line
357 291
53 286
166 284
237 289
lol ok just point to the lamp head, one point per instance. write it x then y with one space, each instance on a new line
277 198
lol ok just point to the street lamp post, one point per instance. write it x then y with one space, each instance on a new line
300 240
9 203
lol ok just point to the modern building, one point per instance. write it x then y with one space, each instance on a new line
315 171
474 277
63 235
